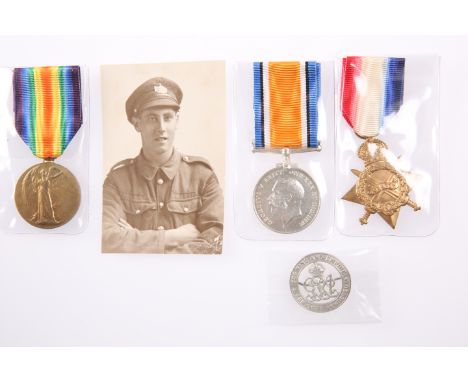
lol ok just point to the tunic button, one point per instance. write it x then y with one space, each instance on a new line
185 209
160 228
160 181
137 211
185 158
161 204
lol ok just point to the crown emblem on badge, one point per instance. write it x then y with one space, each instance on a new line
160 89
316 269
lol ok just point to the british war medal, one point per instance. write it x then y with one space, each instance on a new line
286 198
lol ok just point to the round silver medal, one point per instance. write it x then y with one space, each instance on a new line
320 282
286 200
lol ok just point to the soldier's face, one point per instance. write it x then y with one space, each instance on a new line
157 127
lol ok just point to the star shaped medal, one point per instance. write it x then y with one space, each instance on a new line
372 88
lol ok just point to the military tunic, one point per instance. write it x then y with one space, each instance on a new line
155 199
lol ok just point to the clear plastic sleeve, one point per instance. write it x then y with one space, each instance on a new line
250 167
412 137
16 158
362 304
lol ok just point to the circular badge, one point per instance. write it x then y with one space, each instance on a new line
47 195
286 200
320 282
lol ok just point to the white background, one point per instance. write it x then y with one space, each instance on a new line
59 290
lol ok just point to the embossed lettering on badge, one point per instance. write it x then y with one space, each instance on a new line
320 282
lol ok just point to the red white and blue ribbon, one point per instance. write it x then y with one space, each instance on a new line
371 89
286 95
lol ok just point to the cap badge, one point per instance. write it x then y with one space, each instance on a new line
160 89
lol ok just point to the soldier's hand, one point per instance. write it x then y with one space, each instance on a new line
124 224
181 235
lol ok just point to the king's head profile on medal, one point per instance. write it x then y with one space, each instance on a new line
162 201
285 201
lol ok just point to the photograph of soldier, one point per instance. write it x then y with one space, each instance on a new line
162 200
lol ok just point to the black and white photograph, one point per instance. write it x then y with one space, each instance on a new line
164 134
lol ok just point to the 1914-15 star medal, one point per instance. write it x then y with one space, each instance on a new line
380 188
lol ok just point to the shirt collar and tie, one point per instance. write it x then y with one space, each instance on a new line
148 171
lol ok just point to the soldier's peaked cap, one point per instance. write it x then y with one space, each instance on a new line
157 91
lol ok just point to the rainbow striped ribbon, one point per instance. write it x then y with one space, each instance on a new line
285 104
371 89
48 110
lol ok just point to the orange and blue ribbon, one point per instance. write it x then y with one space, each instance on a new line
371 89
48 108
285 103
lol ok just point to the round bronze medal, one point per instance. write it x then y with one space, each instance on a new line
47 195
